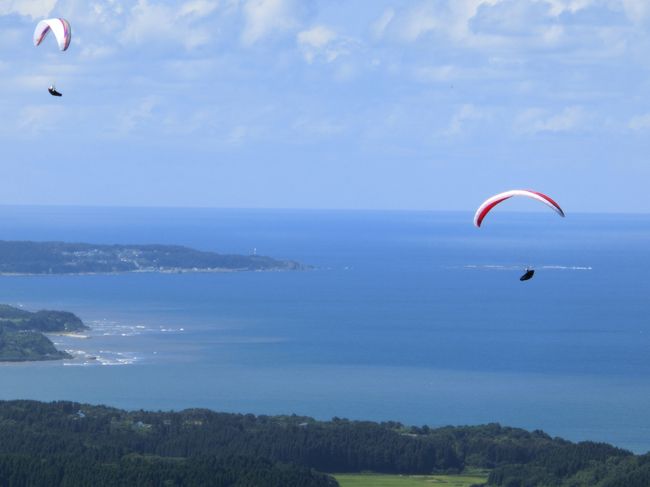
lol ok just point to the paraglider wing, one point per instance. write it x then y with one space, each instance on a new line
53 91
490 203
59 27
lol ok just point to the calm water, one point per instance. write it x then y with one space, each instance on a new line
417 317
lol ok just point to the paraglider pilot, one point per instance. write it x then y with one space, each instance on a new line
528 274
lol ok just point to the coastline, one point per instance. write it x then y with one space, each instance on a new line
70 334
150 271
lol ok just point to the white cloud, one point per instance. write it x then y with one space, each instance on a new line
319 127
322 42
640 122
536 120
13 37
35 119
464 114
451 19
512 25
96 51
191 69
237 135
462 12
137 116
479 24
436 73
380 25
150 22
263 17
31 82
419 21
317 37
198 8
558 7
637 10
107 8
30 8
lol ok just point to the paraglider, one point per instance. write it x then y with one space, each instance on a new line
60 29
53 91
493 201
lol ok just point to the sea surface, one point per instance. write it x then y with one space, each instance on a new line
411 316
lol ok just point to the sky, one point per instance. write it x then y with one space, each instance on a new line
364 104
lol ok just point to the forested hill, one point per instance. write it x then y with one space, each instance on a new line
66 443
46 321
25 257
21 333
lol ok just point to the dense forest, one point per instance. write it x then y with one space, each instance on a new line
24 257
65 443
21 333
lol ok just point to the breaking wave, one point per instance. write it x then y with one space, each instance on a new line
103 338
499 267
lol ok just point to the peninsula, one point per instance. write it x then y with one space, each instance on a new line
27 257
22 333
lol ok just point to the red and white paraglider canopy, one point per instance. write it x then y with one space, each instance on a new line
59 27
491 202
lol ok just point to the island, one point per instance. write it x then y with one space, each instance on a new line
27 257
22 333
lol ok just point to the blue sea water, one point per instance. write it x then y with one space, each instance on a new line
411 316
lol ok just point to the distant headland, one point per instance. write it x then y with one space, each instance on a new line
22 333
26 257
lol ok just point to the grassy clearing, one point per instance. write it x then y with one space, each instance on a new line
380 480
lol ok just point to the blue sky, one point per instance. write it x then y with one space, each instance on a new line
414 104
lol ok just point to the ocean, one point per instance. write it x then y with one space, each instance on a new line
411 316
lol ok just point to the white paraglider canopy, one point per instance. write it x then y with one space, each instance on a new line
491 202
59 27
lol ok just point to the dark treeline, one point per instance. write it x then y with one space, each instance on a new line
22 470
65 443
576 469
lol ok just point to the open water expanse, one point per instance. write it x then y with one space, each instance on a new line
411 316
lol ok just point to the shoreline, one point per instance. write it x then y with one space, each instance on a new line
149 271
70 334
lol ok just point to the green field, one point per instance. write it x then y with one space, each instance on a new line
379 480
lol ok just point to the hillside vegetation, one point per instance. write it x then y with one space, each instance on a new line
65 443
22 333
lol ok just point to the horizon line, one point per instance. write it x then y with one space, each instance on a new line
306 209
